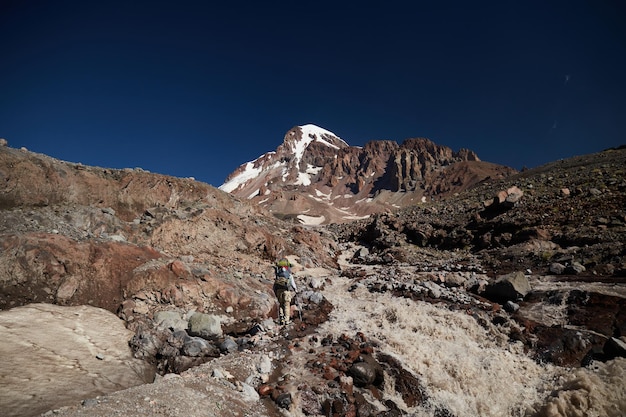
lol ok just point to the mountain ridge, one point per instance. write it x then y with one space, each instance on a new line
315 177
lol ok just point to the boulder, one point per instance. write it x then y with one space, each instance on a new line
195 346
615 347
557 268
206 326
61 355
170 320
509 287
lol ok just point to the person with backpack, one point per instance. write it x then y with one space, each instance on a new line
283 286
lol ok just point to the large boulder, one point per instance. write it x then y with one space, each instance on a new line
509 287
206 326
61 355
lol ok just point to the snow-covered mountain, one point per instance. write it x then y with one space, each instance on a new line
291 162
318 178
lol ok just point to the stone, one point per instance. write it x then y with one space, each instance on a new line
179 269
511 307
170 320
265 390
195 346
228 346
283 400
615 347
512 287
575 268
84 347
556 268
205 325
265 365
310 403
249 393
362 373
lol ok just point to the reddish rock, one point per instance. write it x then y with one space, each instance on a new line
179 269
265 390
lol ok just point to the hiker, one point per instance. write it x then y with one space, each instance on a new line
283 285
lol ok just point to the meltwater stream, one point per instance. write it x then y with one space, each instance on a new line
471 370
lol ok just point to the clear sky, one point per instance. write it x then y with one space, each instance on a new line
196 88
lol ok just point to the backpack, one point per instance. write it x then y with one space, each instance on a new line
283 272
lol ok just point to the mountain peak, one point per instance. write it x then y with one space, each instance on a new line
294 161
316 177
298 139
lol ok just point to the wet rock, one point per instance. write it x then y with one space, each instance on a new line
406 384
367 372
512 287
362 373
363 407
615 347
511 307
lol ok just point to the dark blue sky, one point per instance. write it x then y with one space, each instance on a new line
196 88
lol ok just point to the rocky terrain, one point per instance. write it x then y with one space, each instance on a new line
503 299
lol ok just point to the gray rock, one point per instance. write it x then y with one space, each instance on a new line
146 344
557 268
575 268
511 307
284 400
249 393
508 287
170 320
195 346
205 325
265 365
434 290
177 339
316 283
228 346
313 296
362 373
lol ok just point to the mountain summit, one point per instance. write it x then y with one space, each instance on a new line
294 161
317 178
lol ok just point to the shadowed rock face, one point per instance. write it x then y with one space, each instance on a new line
82 350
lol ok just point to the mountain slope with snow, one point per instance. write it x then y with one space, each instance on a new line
315 177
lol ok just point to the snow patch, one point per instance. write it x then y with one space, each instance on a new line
310 220
321 194
303 179
249 172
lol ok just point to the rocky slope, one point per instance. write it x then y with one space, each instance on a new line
505 299
314 177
